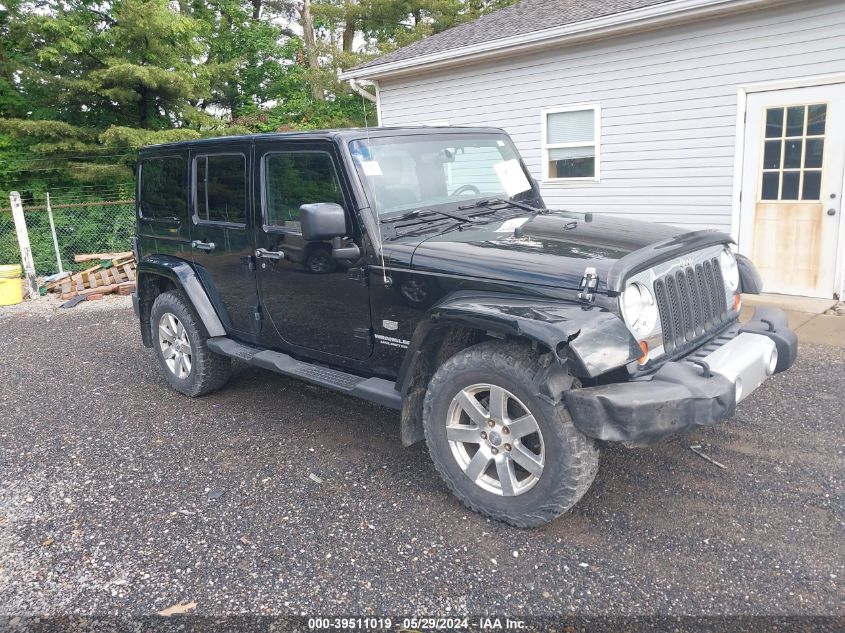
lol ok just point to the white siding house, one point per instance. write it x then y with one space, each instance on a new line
725 114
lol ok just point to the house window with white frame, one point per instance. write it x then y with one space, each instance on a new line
571 143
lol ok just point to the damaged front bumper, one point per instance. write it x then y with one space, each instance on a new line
699 390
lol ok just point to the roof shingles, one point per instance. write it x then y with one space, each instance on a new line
524 17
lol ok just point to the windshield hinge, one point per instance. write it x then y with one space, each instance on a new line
589 282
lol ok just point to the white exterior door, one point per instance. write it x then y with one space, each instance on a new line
792 188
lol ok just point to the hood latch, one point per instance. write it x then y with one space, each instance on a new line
589 282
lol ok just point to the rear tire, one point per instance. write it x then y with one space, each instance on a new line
179 339
507 453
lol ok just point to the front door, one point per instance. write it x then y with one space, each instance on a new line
792 187
312 301
220 239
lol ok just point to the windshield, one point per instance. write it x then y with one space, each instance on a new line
403 173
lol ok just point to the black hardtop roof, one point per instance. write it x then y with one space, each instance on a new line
339 135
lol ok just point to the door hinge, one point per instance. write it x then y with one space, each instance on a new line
589 282
257 313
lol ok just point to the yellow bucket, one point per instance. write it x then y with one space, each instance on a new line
11 289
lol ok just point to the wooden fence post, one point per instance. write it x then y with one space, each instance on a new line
23 242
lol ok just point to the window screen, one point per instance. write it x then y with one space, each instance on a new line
164 187
296 178
221 188
570 143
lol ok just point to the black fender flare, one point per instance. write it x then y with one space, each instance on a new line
591 339
183 275
750 281
585 340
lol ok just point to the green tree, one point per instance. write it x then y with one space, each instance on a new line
96 80
84 83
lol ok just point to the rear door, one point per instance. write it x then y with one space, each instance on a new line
221 202
314 302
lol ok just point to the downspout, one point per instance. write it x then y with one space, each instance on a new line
360 90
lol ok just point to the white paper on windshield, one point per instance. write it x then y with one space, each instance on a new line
512 177
371 167
509 226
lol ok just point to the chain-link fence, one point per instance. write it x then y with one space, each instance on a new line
81 228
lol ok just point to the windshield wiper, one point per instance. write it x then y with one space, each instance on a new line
486 202
417 213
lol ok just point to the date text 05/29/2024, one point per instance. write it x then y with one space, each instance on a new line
415 624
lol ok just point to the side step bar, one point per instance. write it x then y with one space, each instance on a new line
373 389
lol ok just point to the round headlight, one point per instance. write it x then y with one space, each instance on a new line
639 309
632 303
730 271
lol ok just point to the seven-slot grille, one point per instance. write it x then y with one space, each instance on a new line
691 302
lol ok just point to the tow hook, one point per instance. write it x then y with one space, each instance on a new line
704 366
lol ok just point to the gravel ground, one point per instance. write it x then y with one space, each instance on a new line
120 496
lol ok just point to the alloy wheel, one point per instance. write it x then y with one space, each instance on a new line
495 439
175 345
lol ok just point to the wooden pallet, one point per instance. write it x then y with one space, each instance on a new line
119 274
87 257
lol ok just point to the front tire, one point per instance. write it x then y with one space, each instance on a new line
503 450
179 343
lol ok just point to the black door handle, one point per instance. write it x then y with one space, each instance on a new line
203 246
265 254
831 211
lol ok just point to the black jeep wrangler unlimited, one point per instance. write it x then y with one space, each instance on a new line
420 269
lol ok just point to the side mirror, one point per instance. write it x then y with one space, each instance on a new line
350 252
322 221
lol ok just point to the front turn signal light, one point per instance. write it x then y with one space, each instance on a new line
737 302
642 360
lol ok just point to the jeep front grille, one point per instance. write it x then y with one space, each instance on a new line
691 302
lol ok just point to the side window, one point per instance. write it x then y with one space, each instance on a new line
292 179
220 188
163 187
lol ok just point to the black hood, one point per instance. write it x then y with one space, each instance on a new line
554 249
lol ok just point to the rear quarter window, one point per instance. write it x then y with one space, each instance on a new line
164 187
221 188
